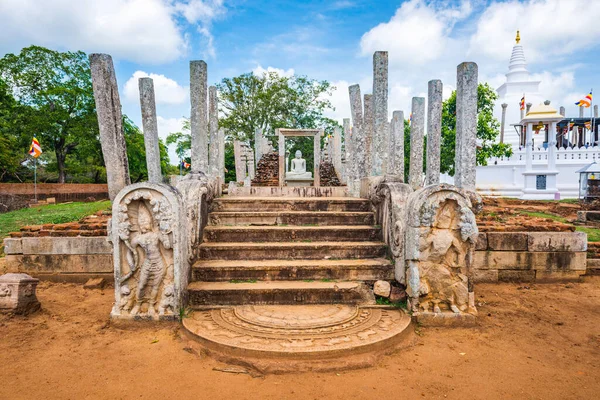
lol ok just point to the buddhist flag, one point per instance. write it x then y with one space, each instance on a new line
185 164
410 118
586 101
35 149
522 103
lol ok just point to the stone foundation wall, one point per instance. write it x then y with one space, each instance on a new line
529 256
499 256
62 192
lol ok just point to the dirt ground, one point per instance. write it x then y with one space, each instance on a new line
535 341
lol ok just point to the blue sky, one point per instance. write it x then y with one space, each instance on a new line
332 40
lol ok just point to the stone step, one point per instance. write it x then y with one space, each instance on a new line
291 250
221 233
290 204
291 218
271 270
278 292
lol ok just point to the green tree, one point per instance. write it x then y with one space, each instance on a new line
57 89
13 144
136 152
488 129
249 102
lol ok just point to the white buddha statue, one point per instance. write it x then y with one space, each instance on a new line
298 168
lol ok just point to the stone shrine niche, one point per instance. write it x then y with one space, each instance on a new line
440 242
148 253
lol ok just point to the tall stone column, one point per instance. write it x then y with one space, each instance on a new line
397 147
198 117
222 154
503 122
367 131
434 131
336 147
358 138
596 111
258 144
380 113
213 129
350 156
150 126
110 122
417 131
465 159
562 111
240 163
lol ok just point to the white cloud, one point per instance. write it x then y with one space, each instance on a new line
340 100
167 91
166 126
549 28
144 31
417 33
555 87
260 71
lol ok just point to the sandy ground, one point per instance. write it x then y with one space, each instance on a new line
539 341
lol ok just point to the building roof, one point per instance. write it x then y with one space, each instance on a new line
542 112
590 168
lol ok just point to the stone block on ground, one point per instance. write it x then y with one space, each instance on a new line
397 294
507 241
13 246
95 283
557 241
17 294
482 242
382 288
489 275
516 276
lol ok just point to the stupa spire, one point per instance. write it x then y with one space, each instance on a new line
518 38
517 67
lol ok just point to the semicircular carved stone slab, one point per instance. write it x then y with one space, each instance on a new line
149 252
440 240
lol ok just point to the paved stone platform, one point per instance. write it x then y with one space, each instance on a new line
299 332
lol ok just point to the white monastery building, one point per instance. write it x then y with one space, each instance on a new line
548 148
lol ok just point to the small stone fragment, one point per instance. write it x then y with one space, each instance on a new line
382 288
94 283
397 295
17 294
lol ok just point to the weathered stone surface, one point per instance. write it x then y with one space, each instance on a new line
397 294
17 294
397 144
150 240
221 163
557 241
65 245
213 129
516 276
527 260
507 241
382 288
336 147
150 126
108 108
358 137
482 243
198 117
94 283
367 131
60 264
558 276
466 125
417 130
13 246
434 131
562 111
380 148
485 275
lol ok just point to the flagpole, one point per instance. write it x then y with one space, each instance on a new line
35 178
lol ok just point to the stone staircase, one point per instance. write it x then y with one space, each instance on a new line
289 251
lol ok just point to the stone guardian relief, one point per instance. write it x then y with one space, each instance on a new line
440 241
147 246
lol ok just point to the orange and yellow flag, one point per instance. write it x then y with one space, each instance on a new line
35 149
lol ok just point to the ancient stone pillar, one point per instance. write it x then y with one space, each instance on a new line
150 127
417 131
527 107
213 129
367 131
562 111
221 163
258 144
434 131
198 117
466 125
358 139
110 122
240 163
350 156
397 144
380 113
336 155
580 112
596 111
503 122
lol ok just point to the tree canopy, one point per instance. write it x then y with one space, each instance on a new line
488 129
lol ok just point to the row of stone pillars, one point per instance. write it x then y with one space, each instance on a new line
375 146
204 125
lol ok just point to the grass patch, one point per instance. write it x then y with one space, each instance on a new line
48 214
243 281
593 234
544 215
382 301
308 280
327 280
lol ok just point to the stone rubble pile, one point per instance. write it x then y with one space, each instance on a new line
267 171
328 175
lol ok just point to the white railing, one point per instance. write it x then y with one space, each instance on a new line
568 155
